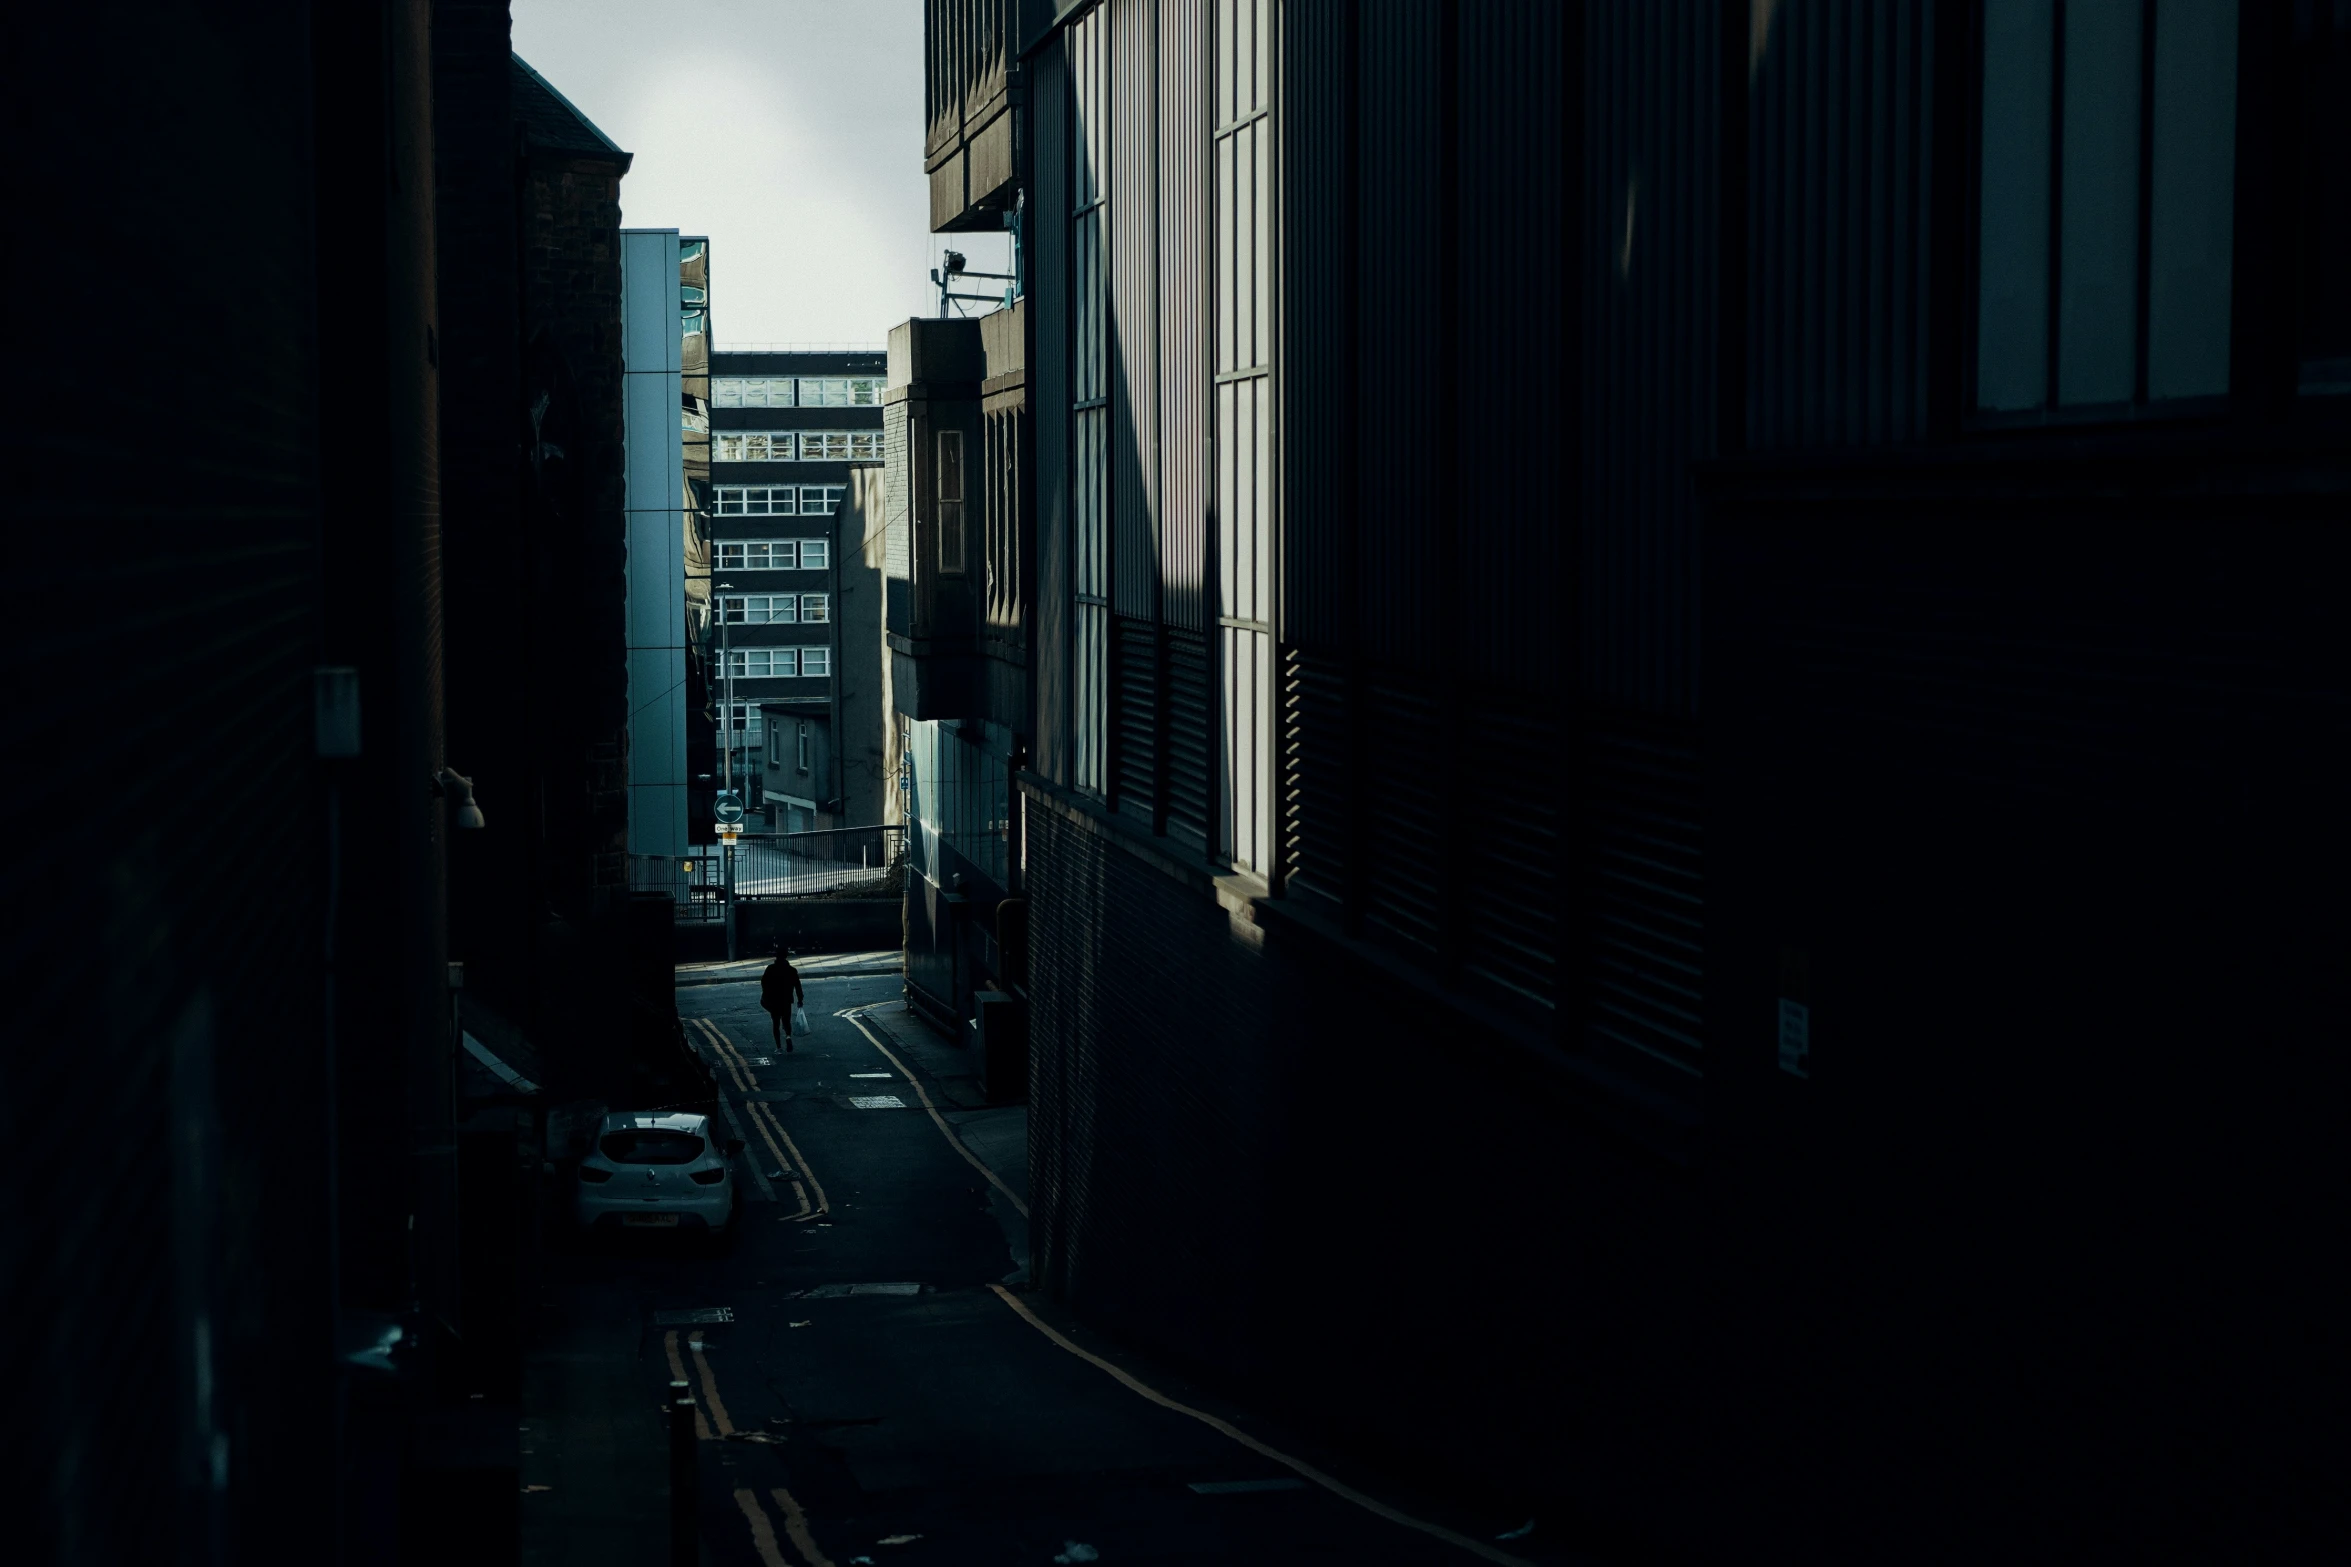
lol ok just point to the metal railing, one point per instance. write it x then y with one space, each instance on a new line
842 861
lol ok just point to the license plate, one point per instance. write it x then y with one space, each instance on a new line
657 1221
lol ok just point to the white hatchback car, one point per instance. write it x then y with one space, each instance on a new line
658 1172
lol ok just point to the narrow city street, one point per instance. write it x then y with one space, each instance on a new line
875 1382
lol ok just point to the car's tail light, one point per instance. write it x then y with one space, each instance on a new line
592 1175
710 1177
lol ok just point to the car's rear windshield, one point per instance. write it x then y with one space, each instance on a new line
652 1147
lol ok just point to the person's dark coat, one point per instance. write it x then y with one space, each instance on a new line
779 987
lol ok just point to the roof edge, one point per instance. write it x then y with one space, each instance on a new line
556 93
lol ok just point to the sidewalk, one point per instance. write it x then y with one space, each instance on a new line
888 961
997 1135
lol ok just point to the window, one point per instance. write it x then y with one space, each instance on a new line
852 391
752 446
776 609
1243 338
762 609
758 554
949 475
804 745
756 500
815 554
2107 197
773 663
1089 401
745 723
738 392
824 446
763 663
865 446
821 500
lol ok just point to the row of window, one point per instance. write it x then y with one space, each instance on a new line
776 609
853 391
796 446
779 500
779 663
773 554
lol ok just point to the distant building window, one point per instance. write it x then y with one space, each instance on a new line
757 500
742 392
763 609
815 554
824 445
770 663
2107 203
815 607
758 554
821 500
752 446
855 391
865 446
803 745
763 663
745 722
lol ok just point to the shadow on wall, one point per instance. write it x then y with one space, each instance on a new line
1253 1158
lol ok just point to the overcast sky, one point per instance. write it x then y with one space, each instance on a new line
789 131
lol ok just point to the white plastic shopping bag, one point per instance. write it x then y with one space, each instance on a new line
799 1018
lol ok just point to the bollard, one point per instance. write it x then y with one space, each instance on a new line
684 1494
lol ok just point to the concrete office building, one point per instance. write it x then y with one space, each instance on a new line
789 430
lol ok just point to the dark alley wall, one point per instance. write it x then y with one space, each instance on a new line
1845 867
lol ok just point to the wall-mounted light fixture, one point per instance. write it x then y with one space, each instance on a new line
457 789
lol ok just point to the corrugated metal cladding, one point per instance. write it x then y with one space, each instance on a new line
1319 350
1652 78
1322 529
1134 306
1400 319
1183 329
969 47
1512 490
1048 241
1841 101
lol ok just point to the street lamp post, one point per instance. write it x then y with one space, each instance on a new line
726 736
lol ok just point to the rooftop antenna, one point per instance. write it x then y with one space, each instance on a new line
953 271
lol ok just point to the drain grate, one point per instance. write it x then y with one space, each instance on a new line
839 1291
875 1102
693 1318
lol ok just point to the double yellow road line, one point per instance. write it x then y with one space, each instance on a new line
771 1131
712 1423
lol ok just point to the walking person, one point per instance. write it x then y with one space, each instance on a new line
780 993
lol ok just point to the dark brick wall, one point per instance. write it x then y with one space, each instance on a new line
572 355
1271 1161
486 557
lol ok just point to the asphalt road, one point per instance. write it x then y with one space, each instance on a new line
877 1392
